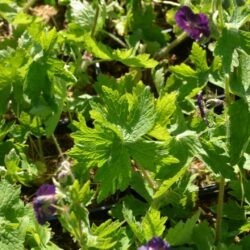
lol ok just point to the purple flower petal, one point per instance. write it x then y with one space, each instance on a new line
46 189
43 203
156 243
195 25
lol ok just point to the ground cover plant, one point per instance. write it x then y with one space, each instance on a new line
124 124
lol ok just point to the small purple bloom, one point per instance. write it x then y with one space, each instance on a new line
200 104
44 202
195 25
201 107
156 243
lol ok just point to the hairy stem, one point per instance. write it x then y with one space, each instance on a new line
57 145
165 51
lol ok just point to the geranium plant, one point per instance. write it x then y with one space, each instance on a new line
124 124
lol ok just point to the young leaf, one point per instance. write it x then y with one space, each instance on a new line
93 146
98 49
133 114
133 224
198 57
165 107
213 153
168 183
107 228
83 14
10 236
182 232
229 41
126 57
11 206
203 236
153 224
240 81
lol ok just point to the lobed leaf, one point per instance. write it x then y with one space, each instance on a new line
182 232
153 224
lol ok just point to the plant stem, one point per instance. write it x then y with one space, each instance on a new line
165 51
219 210
57 145
115 38
41 154
39 142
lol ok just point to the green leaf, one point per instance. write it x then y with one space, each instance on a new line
107 228
229 41
239 128
184 71
120 123
165 107
83 14
8 10
48 39
35 86
93 146
126 57
240 81
182 232
198 57
153 224
169 182
5 94
231 209
133 114
203 236
10 207
212 152
159 79
146 153
142 20
48 91
239 17
10 236
133 224
116 173
192 81
139 61
98 49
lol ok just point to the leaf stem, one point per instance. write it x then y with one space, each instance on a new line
115 38
39 142
57 145
162 53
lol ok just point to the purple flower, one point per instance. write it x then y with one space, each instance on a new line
156 243
44 202
195 25
201 107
